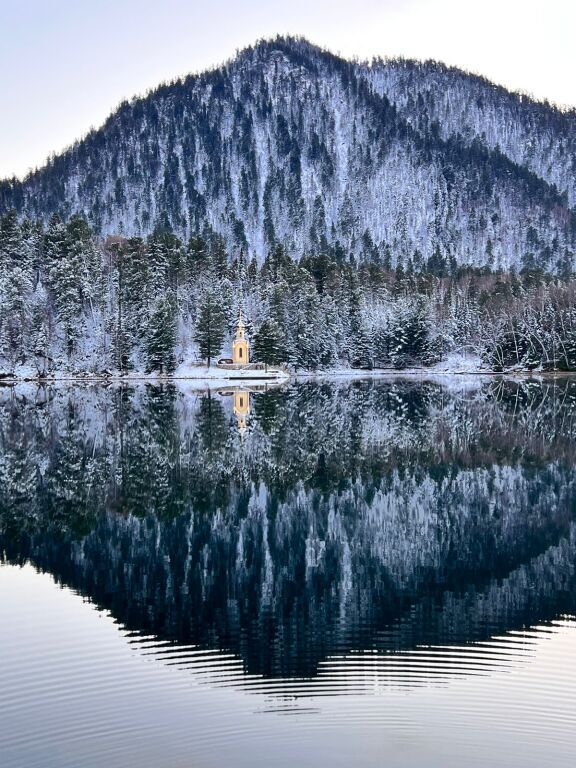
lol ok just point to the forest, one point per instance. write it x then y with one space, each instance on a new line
73 302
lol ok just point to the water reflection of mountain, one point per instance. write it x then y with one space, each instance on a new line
371 515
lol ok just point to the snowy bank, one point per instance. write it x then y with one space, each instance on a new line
213 376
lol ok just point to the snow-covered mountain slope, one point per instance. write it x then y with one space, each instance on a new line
287 143
472 109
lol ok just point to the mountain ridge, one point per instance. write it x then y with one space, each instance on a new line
289 143
520 95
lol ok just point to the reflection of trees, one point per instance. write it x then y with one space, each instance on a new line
268 409
212 427
149 449
372 514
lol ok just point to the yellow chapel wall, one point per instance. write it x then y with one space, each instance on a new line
240 353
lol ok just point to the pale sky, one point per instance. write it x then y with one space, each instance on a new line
65 64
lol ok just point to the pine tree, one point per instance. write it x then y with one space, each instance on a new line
16 289
197 257
64 280
133 298
10 238
161 336
41 344
358 340
306 323
17 314
218 256
267 347
210 325
86 258
409 335
158 264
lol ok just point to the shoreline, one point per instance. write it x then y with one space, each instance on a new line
381 373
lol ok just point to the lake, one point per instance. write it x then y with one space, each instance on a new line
328 573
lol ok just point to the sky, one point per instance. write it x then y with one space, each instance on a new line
65 64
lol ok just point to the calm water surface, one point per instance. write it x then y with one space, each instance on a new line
367 573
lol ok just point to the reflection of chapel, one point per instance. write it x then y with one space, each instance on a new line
241 409
240 345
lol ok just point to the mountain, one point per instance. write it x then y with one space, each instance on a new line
286 143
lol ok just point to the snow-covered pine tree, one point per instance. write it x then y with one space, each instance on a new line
64 279
210 324
161 335
360 348
16 292
134 297
267 346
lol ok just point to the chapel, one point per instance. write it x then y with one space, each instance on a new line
240 345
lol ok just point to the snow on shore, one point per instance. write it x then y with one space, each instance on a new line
454 367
